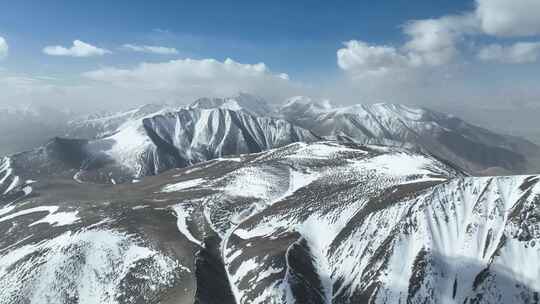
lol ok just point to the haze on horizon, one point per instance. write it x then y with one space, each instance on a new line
478 59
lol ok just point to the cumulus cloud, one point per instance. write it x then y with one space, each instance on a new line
361 58
509 17
160 50
191 78
176 82
431 42
521 52
437 63
435 41
3 48
78 49
439 41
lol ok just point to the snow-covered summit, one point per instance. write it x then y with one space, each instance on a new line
305 104
103 124
251 104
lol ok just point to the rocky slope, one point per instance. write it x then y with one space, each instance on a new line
306 223
478 150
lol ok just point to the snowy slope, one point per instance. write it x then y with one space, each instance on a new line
460 242
137 144
100 125
168 140
8 180
385 227
305 223
473 148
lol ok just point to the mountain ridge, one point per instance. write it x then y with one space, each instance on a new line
323 222
151 144
446 136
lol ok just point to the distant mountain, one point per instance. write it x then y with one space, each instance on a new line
251 104
324 222
104 124
26 127
136 144
478 150
475 149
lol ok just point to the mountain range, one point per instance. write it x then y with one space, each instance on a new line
235 201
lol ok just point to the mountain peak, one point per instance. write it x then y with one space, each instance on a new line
245 102
306 104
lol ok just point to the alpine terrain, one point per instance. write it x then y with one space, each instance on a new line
478 150
235 201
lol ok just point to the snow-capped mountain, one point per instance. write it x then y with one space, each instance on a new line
321 222
232 201
478 150
248 103
473 148
138 144
100 125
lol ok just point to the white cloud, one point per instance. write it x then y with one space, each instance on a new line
435 41
160 50
432 65
521 52
176 81
509 17
431 42
3 48
360 58
439 41
189 78
78 49
284 76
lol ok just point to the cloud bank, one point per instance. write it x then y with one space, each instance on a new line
431 42
193 77
177 81
78 49
439 41
451 60
521 52
509 18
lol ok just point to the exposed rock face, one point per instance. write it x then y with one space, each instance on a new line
306 223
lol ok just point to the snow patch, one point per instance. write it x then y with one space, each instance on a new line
59 219
53 218
183 185
183 213
27 190
87 267
130 143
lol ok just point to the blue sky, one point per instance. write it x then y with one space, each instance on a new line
348 51
299 37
